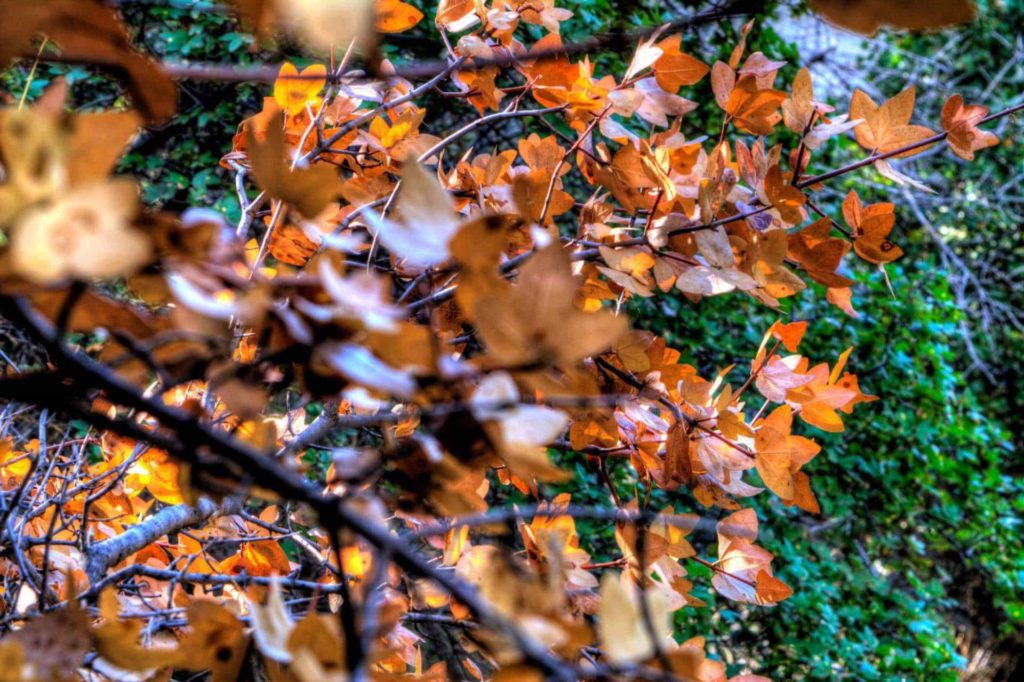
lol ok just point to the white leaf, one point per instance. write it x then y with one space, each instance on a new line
820 133
428 220
331 23
358 364
271 625
888 171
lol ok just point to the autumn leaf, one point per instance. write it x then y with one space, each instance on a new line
623 633
961 122
867 16
428 220
887 128
790 334
871 226
309 190
395 16
752 108
798 109
536 319
778 376
780 454
674 69
785 198
293 89
819 253
85 234
741 562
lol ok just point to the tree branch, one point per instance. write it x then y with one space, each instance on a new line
103 555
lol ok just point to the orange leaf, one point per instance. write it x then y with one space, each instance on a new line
674 69
887 127
395 16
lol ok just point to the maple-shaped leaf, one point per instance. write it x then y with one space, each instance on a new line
871 226
741 562
887 127
867 16
790 334
778 376
819 399
781 454
819 253
629 268
309 190
960 121
784 197
86 233
536 319
754 109
294 89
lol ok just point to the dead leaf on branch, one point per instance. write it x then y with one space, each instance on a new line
536 319
309 190
961 121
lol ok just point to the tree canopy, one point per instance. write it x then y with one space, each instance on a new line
353 339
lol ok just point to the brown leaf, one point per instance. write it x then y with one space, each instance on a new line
55 644
536 319
97 142
961 121
819 253
887 127
867 16
309 190
871 226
